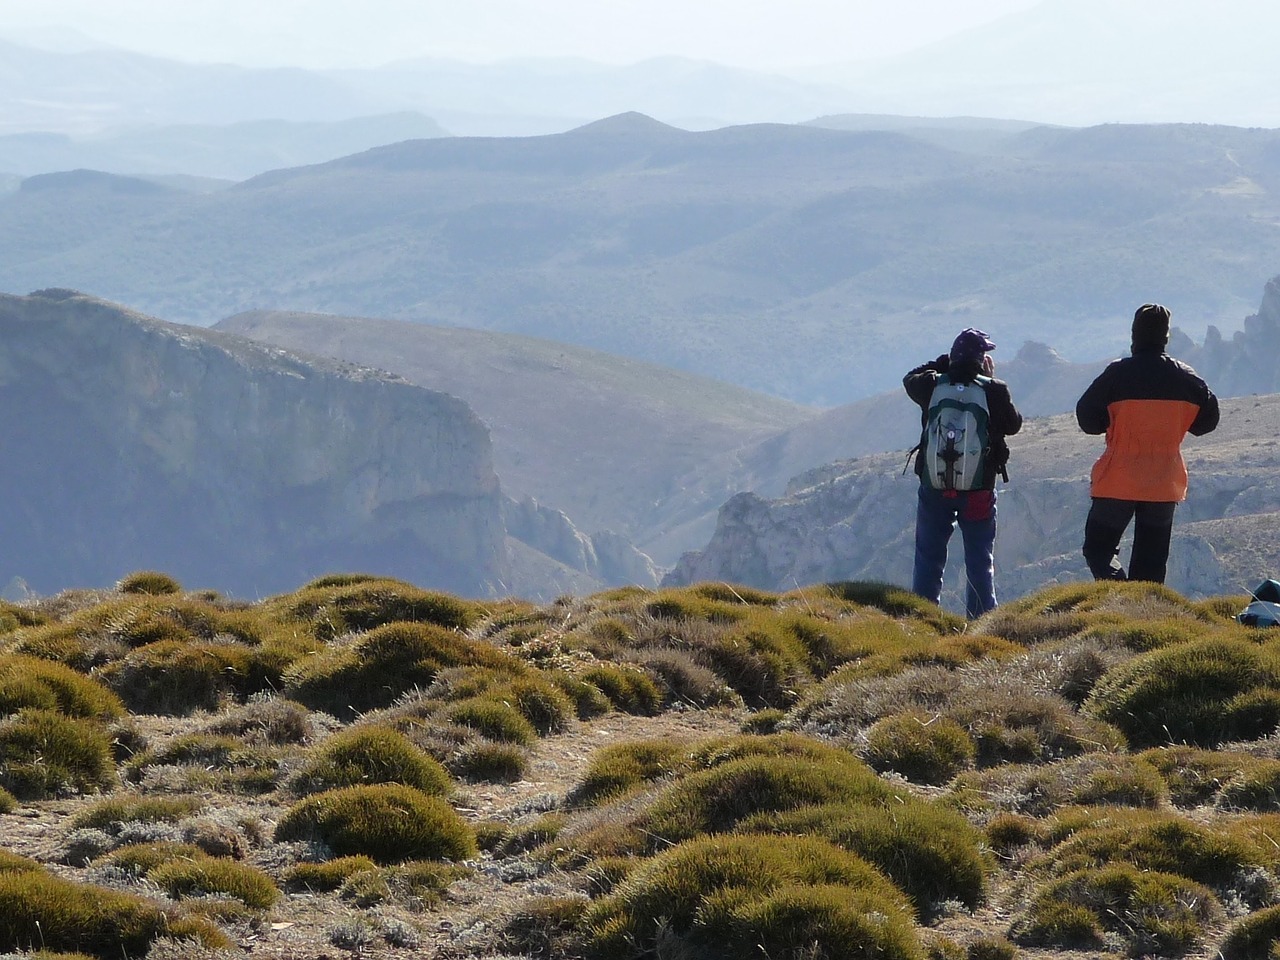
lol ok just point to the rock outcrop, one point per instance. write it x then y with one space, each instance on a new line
1246 363
602 559
131 443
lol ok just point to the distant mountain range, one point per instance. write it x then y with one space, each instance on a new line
809 263
229 152
1073 62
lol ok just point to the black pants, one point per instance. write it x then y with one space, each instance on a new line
1153 524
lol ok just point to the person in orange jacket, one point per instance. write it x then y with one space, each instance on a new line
1146 404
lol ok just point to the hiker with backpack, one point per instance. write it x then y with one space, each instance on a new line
965 415
1145 403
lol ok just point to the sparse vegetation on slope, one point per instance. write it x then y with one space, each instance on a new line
907 786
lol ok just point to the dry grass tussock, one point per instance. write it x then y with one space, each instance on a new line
363 767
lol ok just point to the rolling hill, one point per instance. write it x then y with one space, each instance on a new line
803 262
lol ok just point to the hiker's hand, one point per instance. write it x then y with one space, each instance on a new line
988 365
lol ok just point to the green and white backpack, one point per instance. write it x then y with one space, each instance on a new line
955 444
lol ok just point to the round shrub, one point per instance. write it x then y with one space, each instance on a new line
493 719
386 822
149 582
45 685
1163 844
718 896
1255 937
368 755
628 689
716 800
798 920
588 700
111 814
385 663
13 617
44 754
1007 831
37 907
621 767
493 762
1153 914
336 607
1195 775
923 749
8 802
328 875
896 601
1184 693
205 876
177 677
932 854
687 681
1257 787
761 661
139 859
541 703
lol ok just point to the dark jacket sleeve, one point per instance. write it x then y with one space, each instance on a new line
920 381
1005 418
1207 419
1091 408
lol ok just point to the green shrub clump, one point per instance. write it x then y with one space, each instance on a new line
111 814
494 762
386 822
932 854
372 754
493 718
782 897
1152 914
621 767
343 604
383 664
38 907
1255 937
328 874
923 749
627 689
1202 693
149 582
205 875
29 682
718 799
45 754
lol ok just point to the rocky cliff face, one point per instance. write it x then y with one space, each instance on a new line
1246 363
854 520
131 443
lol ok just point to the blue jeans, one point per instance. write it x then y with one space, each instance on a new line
937 513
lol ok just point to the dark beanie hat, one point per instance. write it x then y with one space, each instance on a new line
1151 326
970 346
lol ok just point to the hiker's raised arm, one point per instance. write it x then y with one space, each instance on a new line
919 381
1091 408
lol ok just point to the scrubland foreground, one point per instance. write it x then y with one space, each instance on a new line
842 771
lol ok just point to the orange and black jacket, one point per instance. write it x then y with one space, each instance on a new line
1145 404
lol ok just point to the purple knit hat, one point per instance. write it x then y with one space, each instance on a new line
970 346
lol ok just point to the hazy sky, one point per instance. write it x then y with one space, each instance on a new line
762 34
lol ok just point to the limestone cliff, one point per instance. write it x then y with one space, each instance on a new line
132 443
854 520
